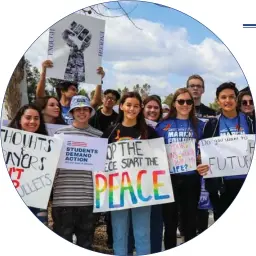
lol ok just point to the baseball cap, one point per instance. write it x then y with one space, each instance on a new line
80 101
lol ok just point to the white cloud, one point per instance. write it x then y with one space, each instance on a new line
152 54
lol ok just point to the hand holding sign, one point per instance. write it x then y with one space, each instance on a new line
202 169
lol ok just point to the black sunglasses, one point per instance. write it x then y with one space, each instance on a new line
247 102
182 102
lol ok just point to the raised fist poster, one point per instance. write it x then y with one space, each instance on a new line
76 47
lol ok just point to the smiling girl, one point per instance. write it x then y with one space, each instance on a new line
180 125
50 108
29 119
131 125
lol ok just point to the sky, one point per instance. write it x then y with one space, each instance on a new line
163 49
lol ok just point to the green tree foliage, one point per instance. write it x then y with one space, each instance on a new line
33 77
168 99
143 90
214 105
83 92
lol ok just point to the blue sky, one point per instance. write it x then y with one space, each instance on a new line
170 47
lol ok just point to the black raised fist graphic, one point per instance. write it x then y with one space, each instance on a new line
78 38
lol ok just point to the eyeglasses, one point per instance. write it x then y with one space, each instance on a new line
110 98
199 86
182 102
247 102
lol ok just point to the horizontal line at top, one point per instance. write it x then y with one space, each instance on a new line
249 25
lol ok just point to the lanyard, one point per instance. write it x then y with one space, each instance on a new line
238 127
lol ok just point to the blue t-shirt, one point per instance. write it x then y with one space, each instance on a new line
230 126
65 115
178 130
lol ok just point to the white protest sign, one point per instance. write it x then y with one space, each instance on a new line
76 48
181 156
32 161
226 155
82 153
52 128
136 174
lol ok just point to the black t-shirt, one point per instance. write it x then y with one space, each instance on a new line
203 111
120 132
101 121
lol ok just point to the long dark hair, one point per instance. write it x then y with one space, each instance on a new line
41 103
153 98
192 114
15 123
141 123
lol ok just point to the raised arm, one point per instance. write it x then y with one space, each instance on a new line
96 100
40 88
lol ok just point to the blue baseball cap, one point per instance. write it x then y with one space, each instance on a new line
80 101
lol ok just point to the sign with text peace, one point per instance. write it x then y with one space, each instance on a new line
31 160
136 174
227 155
181 156
82 153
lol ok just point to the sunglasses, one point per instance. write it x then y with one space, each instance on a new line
247 102
182 102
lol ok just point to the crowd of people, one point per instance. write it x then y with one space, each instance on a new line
141 228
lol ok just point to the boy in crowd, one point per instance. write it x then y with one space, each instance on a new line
72 205
103 118
106 116
196 86
66 90
229 122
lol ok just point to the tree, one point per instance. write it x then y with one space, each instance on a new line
33 76
83 92
16 92
168 99
143 90
214 105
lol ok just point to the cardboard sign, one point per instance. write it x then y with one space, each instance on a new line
76 48
227 155
32 161
82 153
181 156
136 174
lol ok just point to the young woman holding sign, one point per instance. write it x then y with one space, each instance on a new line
181 125
131 125
229 122
152 111
29 119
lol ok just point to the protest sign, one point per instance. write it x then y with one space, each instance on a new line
82 153
136 174
227 155
31 160
181 156
52 128
76 48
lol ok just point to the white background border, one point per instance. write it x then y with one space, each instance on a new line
22 22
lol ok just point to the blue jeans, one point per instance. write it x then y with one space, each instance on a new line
41 214
141 230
